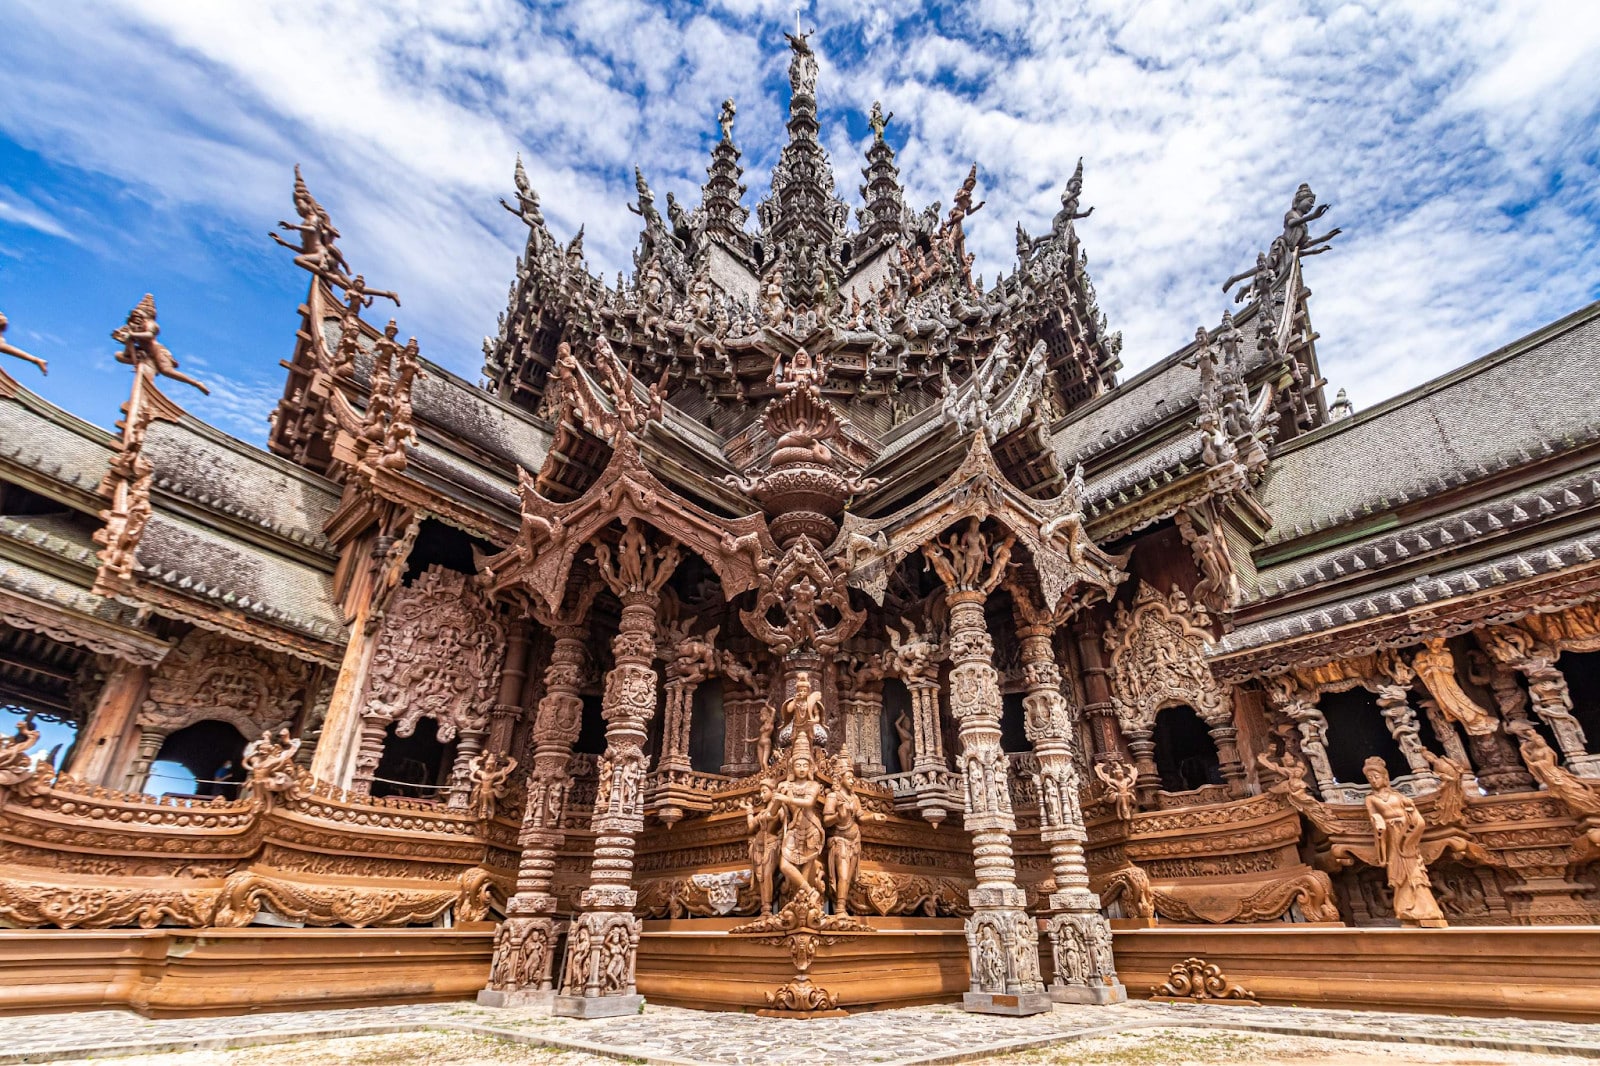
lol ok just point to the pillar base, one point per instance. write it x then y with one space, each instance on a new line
1095 994
596 1006
1017 1005
521 997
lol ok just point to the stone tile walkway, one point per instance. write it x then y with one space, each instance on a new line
912 1036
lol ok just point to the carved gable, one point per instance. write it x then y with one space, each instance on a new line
1158 660
438 657
209 676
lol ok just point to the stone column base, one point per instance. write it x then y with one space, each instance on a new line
1017 1005
1096 994
596 1006
521 997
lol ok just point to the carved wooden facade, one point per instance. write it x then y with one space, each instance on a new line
949 578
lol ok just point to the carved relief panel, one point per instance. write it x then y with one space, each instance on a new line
438 656
209 676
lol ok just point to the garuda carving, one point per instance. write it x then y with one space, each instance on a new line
1158 660
438 657
208 676
812 601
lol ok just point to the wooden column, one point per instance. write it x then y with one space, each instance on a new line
603 945
1082 973
1002 939
524 947
99 756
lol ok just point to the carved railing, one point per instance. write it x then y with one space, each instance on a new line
80 855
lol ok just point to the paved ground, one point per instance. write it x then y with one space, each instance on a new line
1133 1033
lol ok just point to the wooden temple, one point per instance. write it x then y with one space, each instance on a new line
798 624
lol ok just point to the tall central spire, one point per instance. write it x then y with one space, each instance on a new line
802 182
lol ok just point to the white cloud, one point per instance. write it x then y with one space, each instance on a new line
1457 141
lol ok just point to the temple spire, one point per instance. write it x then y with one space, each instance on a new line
882 216
720 196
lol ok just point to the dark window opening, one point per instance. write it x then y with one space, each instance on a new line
1013 736
592 730
1186 756
440 545
199 760
895 716
1357 732
708 728
1582 671
415 767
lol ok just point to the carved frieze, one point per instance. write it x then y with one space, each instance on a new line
1158 660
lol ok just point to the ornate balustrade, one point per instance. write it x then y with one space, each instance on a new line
81 856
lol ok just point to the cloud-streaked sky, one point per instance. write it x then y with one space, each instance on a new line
147 145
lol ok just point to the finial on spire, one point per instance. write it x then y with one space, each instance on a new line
725 119
877 120
527 207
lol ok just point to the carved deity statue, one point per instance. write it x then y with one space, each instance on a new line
1397 828
8 349
141 349
843 814
907 748
1580 796
269 762
489 774
1118 777
800 856
764 821
802 65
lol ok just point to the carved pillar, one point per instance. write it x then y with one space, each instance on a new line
110 727
344 727
602 947
1049 724
524 948
149 747
468 745
369 753
677 715
741 710
927 737
863 710
1290 702
1226 738
1552 702
1142 745
1394 705
513 676
1002 939
1099 709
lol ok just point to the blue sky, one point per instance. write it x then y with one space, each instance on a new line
148 146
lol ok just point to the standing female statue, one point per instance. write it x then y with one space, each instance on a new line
842 812
1398 827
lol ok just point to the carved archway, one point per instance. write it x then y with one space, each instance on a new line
438 656
1157 660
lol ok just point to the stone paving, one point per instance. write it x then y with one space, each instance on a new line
911 1036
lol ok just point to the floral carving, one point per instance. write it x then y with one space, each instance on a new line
209 676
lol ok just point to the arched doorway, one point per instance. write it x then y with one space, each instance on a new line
1186 755
202 759
417 766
